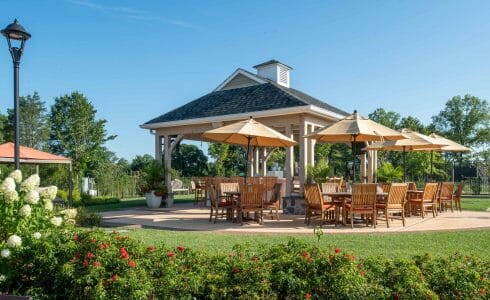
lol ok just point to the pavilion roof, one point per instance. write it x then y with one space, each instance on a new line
30 155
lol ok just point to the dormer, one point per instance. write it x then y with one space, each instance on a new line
275 71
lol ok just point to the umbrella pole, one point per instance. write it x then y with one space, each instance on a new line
431 165
354 159
248 157
404 165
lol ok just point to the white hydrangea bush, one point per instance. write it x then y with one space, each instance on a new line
27 216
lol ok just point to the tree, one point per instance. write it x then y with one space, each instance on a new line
75 132
140 162
34 122
189 160
465 120
413 123
387 118
220 153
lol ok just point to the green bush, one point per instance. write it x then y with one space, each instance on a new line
89 200
85 219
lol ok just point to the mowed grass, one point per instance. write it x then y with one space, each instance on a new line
470 242
476 204
133 202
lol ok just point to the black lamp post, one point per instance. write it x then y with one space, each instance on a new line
16 32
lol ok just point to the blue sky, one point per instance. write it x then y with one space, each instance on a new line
136 60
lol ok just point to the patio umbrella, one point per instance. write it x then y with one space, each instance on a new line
249 133
355 128
414 141
450 146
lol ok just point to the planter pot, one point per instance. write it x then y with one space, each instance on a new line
153 201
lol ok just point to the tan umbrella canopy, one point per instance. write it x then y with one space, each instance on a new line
414 141
355 128
250 133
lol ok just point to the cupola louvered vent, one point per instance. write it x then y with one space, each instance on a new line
275 71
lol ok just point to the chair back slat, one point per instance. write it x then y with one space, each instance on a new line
276 193
212 195
254 180
228 187
364 194
237 179
330 187
251 195
397 193
459 190
313 195
446 190
430 191
412 186
269 182
385 187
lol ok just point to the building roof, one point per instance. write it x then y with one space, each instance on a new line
270 62
260 97
30 155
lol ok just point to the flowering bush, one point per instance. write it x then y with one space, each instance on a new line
28 224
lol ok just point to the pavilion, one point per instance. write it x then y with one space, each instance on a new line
265 96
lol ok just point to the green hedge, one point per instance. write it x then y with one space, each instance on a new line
89 201
95 264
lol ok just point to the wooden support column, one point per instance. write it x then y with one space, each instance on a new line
158 147
167 162
264 158
289 164
256 161
370 166
363 168
375 167
303 153
311 147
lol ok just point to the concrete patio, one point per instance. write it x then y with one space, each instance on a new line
187 217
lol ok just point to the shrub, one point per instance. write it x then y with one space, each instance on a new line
89 200
85 219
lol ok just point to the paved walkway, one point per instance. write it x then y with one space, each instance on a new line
186 217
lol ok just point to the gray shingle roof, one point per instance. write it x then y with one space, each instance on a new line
269 62
259 97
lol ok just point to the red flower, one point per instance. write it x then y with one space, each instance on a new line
114 277
101 246
305 254
181 248
107 245
255 258
75 237
482 292
78 255
85 262
307 296
337 250
131 263
395 296
97 263
89 255
350 256
115 232
118 237
124 253
151 248
236 270
359 266
309 259
170 254
92 241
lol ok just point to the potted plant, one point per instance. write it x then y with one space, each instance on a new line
153 184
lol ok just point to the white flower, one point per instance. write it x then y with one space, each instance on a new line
14 241
36 235
2 278
30 183
48 193
5 253
56 221
32 197
11 196
48 205
16 175
69 213
71 221
25 210
8 185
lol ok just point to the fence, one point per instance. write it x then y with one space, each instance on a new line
477 185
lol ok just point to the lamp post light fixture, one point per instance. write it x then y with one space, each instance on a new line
16 32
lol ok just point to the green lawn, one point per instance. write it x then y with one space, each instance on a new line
471 242
478 204
134 202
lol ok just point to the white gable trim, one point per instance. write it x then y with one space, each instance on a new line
241 72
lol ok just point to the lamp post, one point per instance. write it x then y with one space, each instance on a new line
16 32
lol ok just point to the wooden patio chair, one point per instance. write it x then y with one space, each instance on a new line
251 200
274 202
237 179
457 196
363 202
332 187
385 186
314 203
217 205
427 200
445 196
200 187
412 186
395 203
225 187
